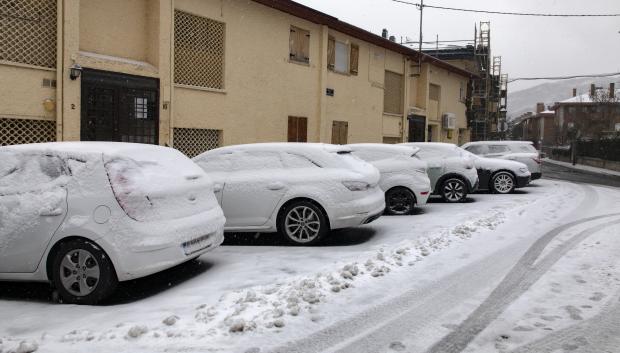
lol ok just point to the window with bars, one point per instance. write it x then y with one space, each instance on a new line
28 32
198 51
20 131
193 142
393 93
299 45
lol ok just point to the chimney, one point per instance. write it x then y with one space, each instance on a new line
392 39
540 107
612 90
593 90
574 92
384 33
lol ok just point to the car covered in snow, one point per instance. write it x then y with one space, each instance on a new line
301 190
498 175
452 173
86 215
520 151
403 177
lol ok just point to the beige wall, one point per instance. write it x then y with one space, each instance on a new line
262 87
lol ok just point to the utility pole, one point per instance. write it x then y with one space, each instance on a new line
420 46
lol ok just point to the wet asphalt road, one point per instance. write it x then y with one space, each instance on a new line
553 171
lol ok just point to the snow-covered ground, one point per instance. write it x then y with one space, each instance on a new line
583 167
352 293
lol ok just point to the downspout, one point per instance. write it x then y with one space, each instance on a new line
60 25
172 88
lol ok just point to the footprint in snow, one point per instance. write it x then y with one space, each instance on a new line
573 312
397 346
597 297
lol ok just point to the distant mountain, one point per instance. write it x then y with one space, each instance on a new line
523 101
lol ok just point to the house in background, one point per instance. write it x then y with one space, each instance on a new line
197 75
592 115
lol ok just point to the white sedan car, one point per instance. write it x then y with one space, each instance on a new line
87 215
452 173
519 151
301 190
403 177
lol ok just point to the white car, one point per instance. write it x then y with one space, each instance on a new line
403 177
301 190
87 215
498 175
452 173
520 151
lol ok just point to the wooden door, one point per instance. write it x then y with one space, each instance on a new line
297 129
340 132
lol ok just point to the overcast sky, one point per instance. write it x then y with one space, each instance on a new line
529 46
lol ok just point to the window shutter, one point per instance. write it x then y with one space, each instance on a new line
355 53
293 44
304 40
331 53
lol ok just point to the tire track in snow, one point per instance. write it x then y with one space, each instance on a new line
523 275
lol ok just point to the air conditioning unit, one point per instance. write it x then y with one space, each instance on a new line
449 121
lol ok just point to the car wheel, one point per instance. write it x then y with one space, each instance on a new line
399 201
453 190
503 183
303 223
82 273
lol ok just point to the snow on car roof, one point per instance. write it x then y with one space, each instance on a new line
85 147
282 146
429 144
503 142
397 149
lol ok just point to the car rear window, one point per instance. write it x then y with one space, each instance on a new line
498 149
523 147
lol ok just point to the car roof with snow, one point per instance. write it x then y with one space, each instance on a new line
300 147
84 147
396 149
503 142
421 145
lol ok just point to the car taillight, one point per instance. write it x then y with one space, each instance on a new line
356 185
537 160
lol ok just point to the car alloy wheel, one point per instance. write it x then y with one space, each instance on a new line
79 272
399 201
453 190
302 224
82 273
503 183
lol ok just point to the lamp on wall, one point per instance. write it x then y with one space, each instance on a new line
75 71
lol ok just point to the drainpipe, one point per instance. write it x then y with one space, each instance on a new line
59 68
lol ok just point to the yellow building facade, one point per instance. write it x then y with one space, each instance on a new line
198 74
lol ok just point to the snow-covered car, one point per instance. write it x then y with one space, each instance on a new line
403 177
520 151
498 175
301 190
452 172
85 216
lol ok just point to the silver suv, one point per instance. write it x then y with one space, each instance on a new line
520 151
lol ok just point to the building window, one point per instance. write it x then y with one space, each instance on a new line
28 32
434 92
299 45
141 107
198 51
297 129
341 57
393 93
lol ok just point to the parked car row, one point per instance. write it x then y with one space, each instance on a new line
85 216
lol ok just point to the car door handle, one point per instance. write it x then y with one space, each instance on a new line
276 185
51 213
217 187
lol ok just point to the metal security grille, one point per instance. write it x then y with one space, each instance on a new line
393 93
28 32
19 131
193 142
198 51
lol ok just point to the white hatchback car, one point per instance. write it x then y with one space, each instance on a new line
520 151
301 190
87 215
452 173
403 177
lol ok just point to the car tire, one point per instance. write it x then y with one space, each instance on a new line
453 190
503 183
82 273
302 223
399 201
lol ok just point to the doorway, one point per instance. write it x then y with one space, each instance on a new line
119 107
417 125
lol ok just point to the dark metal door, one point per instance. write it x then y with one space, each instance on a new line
119 107
417 127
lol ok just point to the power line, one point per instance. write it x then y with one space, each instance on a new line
507 13
562 77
